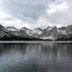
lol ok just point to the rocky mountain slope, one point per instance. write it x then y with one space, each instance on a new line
49 33
11 33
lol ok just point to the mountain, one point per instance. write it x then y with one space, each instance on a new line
49 33
11 33
69 29
37 32
65 33
26 30
3 32
18 32
54 33
11 28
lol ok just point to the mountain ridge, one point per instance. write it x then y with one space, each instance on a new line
49 33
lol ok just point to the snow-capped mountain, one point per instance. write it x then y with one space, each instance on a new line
11 28
17 32
69 29
12 33
62 30
26 30
3 32
55 33
34 33
49 33
37 32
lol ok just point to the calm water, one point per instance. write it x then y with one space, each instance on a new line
37 57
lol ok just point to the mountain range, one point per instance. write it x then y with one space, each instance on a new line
49 33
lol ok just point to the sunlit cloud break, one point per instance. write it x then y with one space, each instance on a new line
57 6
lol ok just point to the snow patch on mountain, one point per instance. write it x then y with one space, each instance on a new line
11 28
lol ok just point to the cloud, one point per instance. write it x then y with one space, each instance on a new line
8 20
60 12
57 6
25 9
0 1
36 13
3 15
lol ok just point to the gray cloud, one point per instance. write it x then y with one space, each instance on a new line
26 9
33 10
62 17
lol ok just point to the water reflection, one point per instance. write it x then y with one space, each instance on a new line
39 57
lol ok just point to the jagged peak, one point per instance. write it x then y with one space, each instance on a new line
24 28
38 29
11 28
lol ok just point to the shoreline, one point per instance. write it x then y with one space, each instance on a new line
35 41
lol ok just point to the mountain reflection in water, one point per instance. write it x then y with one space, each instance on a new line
38 57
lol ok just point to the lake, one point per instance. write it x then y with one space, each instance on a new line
36 57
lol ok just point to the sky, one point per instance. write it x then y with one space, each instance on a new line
35 13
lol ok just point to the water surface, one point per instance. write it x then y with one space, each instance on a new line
36 57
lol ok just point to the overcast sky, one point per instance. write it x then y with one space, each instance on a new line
35 13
